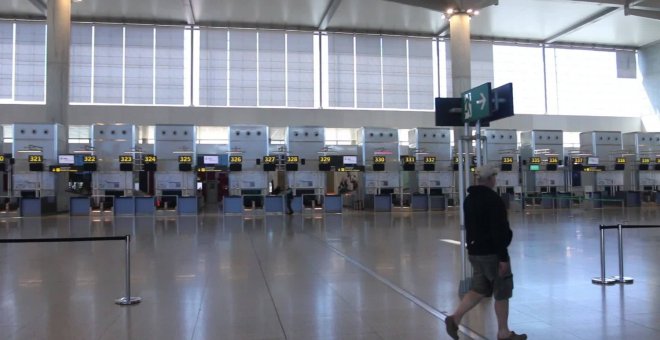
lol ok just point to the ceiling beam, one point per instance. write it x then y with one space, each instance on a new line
328 14
189 12
443 29
586 21
646 12
40 5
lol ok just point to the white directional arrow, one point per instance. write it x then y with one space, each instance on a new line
482 101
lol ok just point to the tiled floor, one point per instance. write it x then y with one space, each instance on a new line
317 277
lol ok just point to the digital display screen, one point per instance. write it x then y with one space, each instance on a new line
89 159
534 167
620 160
292 159
408 160
270 159
535 160
185 159
553 160
35 159
379 159
150 159
66 159
325 159
2 158
430 160
645 160
507 160
125 159
592 160
350 160
214 159
578 160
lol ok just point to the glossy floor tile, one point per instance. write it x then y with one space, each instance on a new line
358 275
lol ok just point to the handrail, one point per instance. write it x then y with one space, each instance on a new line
602 280
125 300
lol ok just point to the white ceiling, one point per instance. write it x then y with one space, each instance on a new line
533 20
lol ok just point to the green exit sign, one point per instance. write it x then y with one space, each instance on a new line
476 103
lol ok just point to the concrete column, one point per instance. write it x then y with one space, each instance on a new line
57 62
459 28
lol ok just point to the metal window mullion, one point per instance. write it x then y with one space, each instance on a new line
258 68
408 71
153 68
92 65
13 63
354 71
286 69
228 36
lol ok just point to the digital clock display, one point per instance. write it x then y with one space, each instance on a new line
379 159
125 159
270 159
292 159
185 159
507 160
324 159
430 160
535 160
150 159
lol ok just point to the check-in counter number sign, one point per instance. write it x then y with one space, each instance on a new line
89 159
292 159
620 160
269 159
645 161
150 159
409 160
535 160
379 159
185 159
430 160
553 160
507 160
235 159
126 159
35 159
324 160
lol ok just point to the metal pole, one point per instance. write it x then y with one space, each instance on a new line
602 280
621 278
128 299
477 143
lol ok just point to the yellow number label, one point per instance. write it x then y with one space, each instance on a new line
125 159
507 160
185 159
430 160
2 158
553 160
324 159
35 159
236 159
269 159
578 160
620 160
150 159
379 159
292 159
89 159
645 160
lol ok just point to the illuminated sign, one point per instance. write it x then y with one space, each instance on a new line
35 159
591 169
232 160
535 160
379 159
292 159
66 159
553 160
507 160
430 160
2 158
578 160
125 159
657 161
534 167
350 159
455 159
89 159
185 159
620 160
150 159
408 159
645 160
214 159
270 159
324 159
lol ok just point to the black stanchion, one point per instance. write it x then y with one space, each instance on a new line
125 300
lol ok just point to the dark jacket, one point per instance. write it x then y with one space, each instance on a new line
486 223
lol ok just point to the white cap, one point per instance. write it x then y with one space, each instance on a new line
486 170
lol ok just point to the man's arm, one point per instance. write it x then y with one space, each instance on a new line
499 229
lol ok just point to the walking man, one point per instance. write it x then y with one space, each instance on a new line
488 236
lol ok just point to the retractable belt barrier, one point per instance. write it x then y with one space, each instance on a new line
125 300
602 280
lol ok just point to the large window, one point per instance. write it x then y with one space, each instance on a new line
522 66
30 62
6 61
585 82
368 71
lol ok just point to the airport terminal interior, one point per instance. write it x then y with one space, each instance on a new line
296 169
